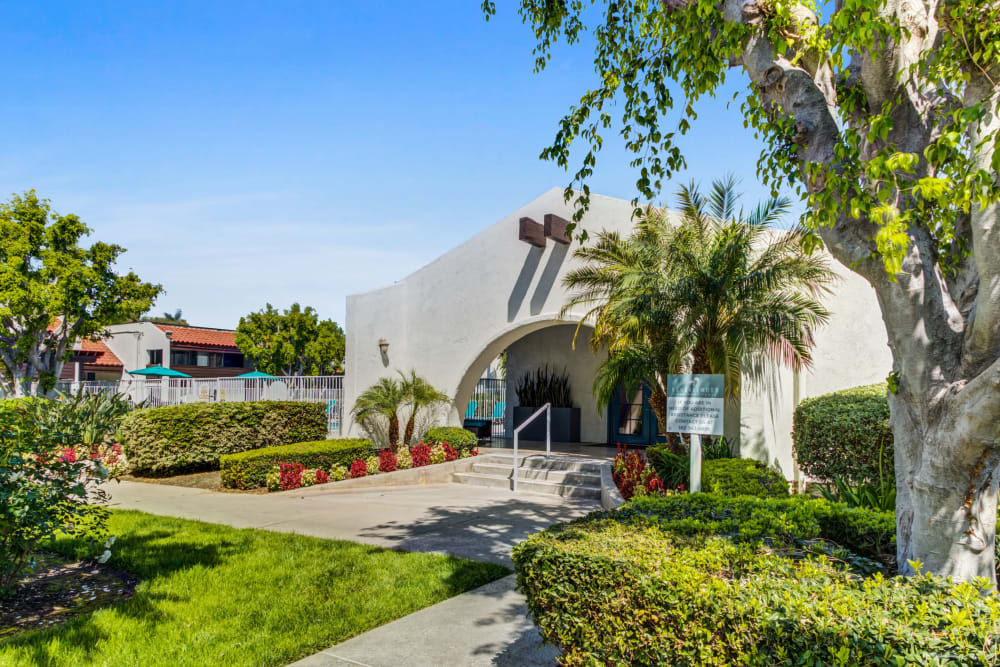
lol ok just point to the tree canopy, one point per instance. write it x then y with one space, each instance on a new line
54 292
293 342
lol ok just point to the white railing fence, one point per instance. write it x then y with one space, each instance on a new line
156 392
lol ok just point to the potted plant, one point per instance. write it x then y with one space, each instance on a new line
536 388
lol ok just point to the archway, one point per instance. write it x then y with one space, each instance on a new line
542 341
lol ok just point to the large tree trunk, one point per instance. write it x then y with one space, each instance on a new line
941 308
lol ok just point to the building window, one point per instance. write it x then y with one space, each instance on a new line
91 377
232 360
155 357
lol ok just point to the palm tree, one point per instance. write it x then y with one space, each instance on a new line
717 292
744 294
419 394
381 401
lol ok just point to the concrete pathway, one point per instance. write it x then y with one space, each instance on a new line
486 626
474 522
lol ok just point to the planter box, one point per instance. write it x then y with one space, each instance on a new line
565 424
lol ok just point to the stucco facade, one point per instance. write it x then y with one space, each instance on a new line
450 319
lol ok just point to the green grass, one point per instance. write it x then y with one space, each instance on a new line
210 594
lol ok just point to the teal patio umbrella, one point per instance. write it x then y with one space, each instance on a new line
159 372
257 374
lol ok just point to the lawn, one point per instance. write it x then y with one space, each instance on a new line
210 594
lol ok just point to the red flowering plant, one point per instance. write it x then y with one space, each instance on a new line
474 451
358 469
322 476
634 476
386 460
421 455
290 475
450 453
46 486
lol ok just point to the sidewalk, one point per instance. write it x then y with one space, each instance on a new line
487 626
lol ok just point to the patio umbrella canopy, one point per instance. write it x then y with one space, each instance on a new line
159 372
257 374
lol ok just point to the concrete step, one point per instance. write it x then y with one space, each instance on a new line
548 474
534 461
564 489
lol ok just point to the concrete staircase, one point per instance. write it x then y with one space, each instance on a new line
566 476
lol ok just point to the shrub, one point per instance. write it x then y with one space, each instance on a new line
728 477
322 477
843 434
386 461
708 580
421 455
46 488
458 438
338 472
358 469
290 475
372 464
742 477
437 454
543 386
194 436
248 470
403 459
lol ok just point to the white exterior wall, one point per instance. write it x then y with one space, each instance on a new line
553 346
131 343
451 318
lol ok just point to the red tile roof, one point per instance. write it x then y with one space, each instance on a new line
200 336
104 356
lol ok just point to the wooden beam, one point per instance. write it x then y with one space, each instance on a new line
531 232
555 228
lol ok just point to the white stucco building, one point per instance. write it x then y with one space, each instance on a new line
450 319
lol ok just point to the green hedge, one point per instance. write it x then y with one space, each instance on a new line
841 434
707 580
729 477
457 437
179 438
248 470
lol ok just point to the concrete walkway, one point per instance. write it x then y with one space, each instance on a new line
486 626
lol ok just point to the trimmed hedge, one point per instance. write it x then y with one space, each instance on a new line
248 470
707 580
841 434
181 438
728 477
455 436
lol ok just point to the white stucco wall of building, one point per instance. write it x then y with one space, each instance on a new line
132 341
451 318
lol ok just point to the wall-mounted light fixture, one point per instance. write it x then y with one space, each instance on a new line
383 346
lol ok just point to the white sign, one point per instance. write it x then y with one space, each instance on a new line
695 404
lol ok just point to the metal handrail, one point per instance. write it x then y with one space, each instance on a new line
547 409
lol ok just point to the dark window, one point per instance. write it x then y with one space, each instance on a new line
218 360
91 377
155 357
232 360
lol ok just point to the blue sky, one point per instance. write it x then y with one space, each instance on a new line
277 152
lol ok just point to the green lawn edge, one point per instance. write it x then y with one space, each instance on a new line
212 594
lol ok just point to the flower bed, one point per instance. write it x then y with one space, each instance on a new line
634 477
289 475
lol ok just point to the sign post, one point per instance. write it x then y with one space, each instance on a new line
695 405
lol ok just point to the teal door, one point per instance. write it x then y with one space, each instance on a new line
630 419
